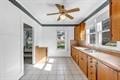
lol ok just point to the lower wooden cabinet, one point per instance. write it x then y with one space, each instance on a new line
83 62
40 54
77 57
119 76
92 68
73 53
106 73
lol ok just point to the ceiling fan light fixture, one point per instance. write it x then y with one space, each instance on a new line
64 13
62 17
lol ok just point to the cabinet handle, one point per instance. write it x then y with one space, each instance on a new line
91 73
91 61
81 58
90 58
91 66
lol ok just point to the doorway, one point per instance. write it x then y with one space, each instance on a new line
28 44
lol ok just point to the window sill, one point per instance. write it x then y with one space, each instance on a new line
106 47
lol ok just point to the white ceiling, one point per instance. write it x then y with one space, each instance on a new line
39 9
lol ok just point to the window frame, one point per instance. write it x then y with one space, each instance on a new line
98 33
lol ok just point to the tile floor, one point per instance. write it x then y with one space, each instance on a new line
54 69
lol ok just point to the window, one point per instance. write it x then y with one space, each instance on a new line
60 40
100 34
92 35
106 36
92 38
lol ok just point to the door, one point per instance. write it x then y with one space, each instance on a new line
28 44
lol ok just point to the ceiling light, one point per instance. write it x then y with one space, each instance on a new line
62 17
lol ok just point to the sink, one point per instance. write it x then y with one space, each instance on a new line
90 50
81 48
86 49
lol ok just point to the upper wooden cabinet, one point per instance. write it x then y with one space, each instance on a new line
79 32
106 73
115 19
76 33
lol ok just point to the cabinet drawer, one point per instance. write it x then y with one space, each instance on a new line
92 68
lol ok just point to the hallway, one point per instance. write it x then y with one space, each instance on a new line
54 69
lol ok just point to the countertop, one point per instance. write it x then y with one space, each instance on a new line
107 59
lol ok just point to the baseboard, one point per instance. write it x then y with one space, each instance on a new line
20 75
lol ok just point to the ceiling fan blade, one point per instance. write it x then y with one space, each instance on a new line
73 10
52 13
69 16
58 18
59 6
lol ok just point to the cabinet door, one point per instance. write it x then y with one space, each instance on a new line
119 76
72 53
83 62
77 57
92 66
82 31
115 19
79 32
106 73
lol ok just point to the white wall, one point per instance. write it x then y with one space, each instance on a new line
47 36
10 42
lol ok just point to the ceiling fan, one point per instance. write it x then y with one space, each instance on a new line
63 13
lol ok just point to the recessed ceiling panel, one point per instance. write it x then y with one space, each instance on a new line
39 9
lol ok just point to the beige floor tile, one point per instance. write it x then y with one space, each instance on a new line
54 69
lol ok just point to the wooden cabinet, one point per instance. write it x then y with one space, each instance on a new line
115 19
83 62
82 31
92 68
79 32
106 73
72 52
75 55
40 54
119 76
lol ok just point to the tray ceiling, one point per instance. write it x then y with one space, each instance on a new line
39 9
